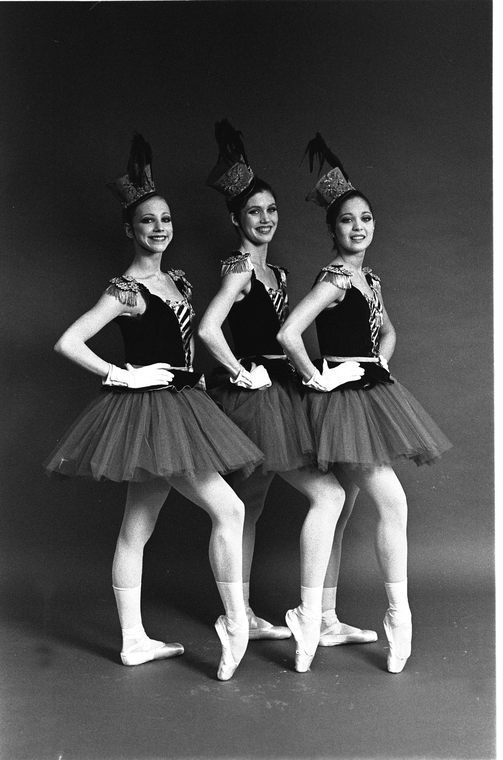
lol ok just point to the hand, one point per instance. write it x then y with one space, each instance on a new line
346 372
329 379
149 376
252 380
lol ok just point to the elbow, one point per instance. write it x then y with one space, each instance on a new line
203 333
58 346
62 346
284 338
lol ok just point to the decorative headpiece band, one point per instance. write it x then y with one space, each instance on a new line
232 173
137 184
335 183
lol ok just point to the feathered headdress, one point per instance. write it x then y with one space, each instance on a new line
137 184
232 173
335 183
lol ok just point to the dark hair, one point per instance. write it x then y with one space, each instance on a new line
129 213
257 185
334 209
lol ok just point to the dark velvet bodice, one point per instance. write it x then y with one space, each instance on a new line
254 322
344 330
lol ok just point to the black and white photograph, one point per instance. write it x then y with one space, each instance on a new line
248 460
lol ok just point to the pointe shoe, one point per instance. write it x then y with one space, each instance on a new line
134 655
339 633
399 651
261 629
230 632
302 624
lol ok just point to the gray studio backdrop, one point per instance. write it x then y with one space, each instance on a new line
400 90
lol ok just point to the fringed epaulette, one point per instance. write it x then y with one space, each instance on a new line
125 289
178 275
237 264
282 271
376 279
336 275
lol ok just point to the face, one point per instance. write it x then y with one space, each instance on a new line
258 220
151 228
354 226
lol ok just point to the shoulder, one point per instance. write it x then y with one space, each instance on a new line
178 276
238 263
125 289
336 275
376 280
281 271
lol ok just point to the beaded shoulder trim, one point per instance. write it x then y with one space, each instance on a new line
236 264
125 289
178 275
336 275
376 280
282 272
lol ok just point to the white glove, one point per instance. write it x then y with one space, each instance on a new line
142 377
256 378
346 372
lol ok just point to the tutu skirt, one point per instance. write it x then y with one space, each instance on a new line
372 427
137 436
273 418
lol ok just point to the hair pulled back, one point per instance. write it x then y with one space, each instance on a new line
257 185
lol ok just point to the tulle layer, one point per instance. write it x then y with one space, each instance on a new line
140 436
370 427
274 419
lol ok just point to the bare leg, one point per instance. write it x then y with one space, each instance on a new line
253 491
210 492
326 499
333 632
385 490
143 504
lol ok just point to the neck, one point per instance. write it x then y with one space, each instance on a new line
258 252
144 266
353 261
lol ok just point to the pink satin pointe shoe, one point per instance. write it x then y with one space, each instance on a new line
338 633
234 639
138 653
306 630
261 629
400 642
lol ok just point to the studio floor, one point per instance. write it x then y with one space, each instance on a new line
66 696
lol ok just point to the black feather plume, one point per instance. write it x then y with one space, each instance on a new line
230 144
140 156
319 150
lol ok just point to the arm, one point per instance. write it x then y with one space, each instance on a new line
72 345
210 328
319 298
387 338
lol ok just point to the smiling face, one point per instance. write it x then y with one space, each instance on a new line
151 226
258 219
354 226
